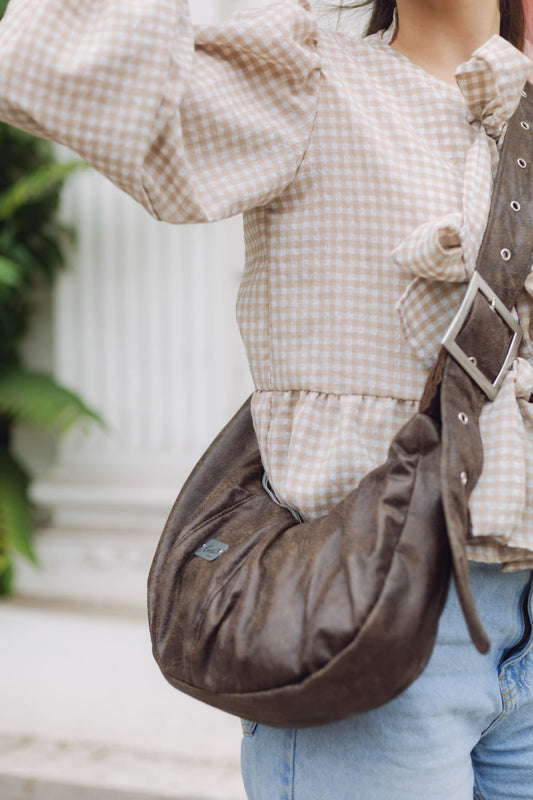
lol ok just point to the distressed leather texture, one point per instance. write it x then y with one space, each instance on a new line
301 624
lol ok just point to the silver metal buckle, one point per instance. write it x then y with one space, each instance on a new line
477 284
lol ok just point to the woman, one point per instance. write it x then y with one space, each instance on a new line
364 169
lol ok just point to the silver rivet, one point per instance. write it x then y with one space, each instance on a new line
462 417
493 304
464 478
505 254
524 94
515 205
521 163
525 125
473 360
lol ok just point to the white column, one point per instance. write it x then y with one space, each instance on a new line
144 329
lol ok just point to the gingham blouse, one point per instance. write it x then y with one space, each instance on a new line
365 184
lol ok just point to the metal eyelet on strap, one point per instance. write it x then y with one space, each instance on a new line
522 163
462 417
505 254
515 205
473 360
525 125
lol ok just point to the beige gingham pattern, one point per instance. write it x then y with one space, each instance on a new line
365 184
195 124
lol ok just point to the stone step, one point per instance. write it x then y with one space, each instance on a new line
86 715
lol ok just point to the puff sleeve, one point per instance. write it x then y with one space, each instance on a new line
196 123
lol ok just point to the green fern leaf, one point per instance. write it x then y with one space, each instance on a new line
36 399
9 272
33 186
6 574
15 510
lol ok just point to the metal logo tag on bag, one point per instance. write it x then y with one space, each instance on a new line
211 550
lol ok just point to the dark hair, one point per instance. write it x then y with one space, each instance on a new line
512 24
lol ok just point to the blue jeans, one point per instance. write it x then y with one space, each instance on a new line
462 731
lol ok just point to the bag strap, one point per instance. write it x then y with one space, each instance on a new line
482 343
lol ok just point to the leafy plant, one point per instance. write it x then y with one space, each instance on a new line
32 242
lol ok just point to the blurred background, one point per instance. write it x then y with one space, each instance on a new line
139 326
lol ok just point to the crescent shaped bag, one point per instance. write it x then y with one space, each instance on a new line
293 624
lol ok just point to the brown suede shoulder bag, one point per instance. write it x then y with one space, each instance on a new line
297 624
